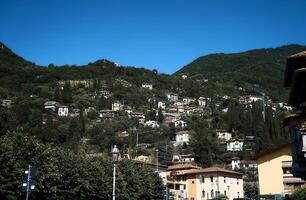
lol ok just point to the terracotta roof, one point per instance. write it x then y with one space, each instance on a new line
297 55
211 170
182 132
182 167
186 155
235 158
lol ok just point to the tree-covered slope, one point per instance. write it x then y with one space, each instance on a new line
258 70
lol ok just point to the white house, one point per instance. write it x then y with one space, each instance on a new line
235 163
161 105
180 124
63 111
117 106
213 181
184 158
243 164
184 76
224 135
151 124
234 145
202 101
187 100
6 103
147 86
50 105
172 97
182 137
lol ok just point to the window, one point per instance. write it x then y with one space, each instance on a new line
237 181
203 179
192 182
212 193
211 179
224 179
225 192
203 193
238 194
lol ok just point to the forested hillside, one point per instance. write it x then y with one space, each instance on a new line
79 112
259 70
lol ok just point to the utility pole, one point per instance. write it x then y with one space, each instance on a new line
263 107
29 180
136 144
156 160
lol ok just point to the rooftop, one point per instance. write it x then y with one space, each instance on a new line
212 170
182 167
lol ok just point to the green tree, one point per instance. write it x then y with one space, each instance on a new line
67 93
299 194
251 189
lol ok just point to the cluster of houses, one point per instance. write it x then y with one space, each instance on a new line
185 180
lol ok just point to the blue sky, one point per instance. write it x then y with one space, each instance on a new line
156 34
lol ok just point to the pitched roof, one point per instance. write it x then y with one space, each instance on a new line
211 170
182 132
182 167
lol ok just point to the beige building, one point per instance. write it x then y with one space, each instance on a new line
191 182
274 171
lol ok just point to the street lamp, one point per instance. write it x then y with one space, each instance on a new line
115 154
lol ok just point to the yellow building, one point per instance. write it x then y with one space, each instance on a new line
195 183
274 171
144 158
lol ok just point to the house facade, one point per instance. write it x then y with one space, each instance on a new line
161 105
180 124
234 145
147 86
274 166
224 135
117 107
52 105
63 111
172 97
182 137
151 124
191 182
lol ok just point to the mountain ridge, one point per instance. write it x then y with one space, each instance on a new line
260 70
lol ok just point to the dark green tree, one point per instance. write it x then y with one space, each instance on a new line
67 93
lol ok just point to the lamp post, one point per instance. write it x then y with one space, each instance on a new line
115 153
156 160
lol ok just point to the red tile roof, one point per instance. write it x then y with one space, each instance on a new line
211 170
182 167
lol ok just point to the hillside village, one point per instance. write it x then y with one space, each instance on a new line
185 134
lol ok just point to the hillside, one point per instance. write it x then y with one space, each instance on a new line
258 70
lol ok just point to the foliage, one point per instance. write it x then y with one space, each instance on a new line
258 70
251 189
65 175
299 194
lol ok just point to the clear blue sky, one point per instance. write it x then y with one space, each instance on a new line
156 34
